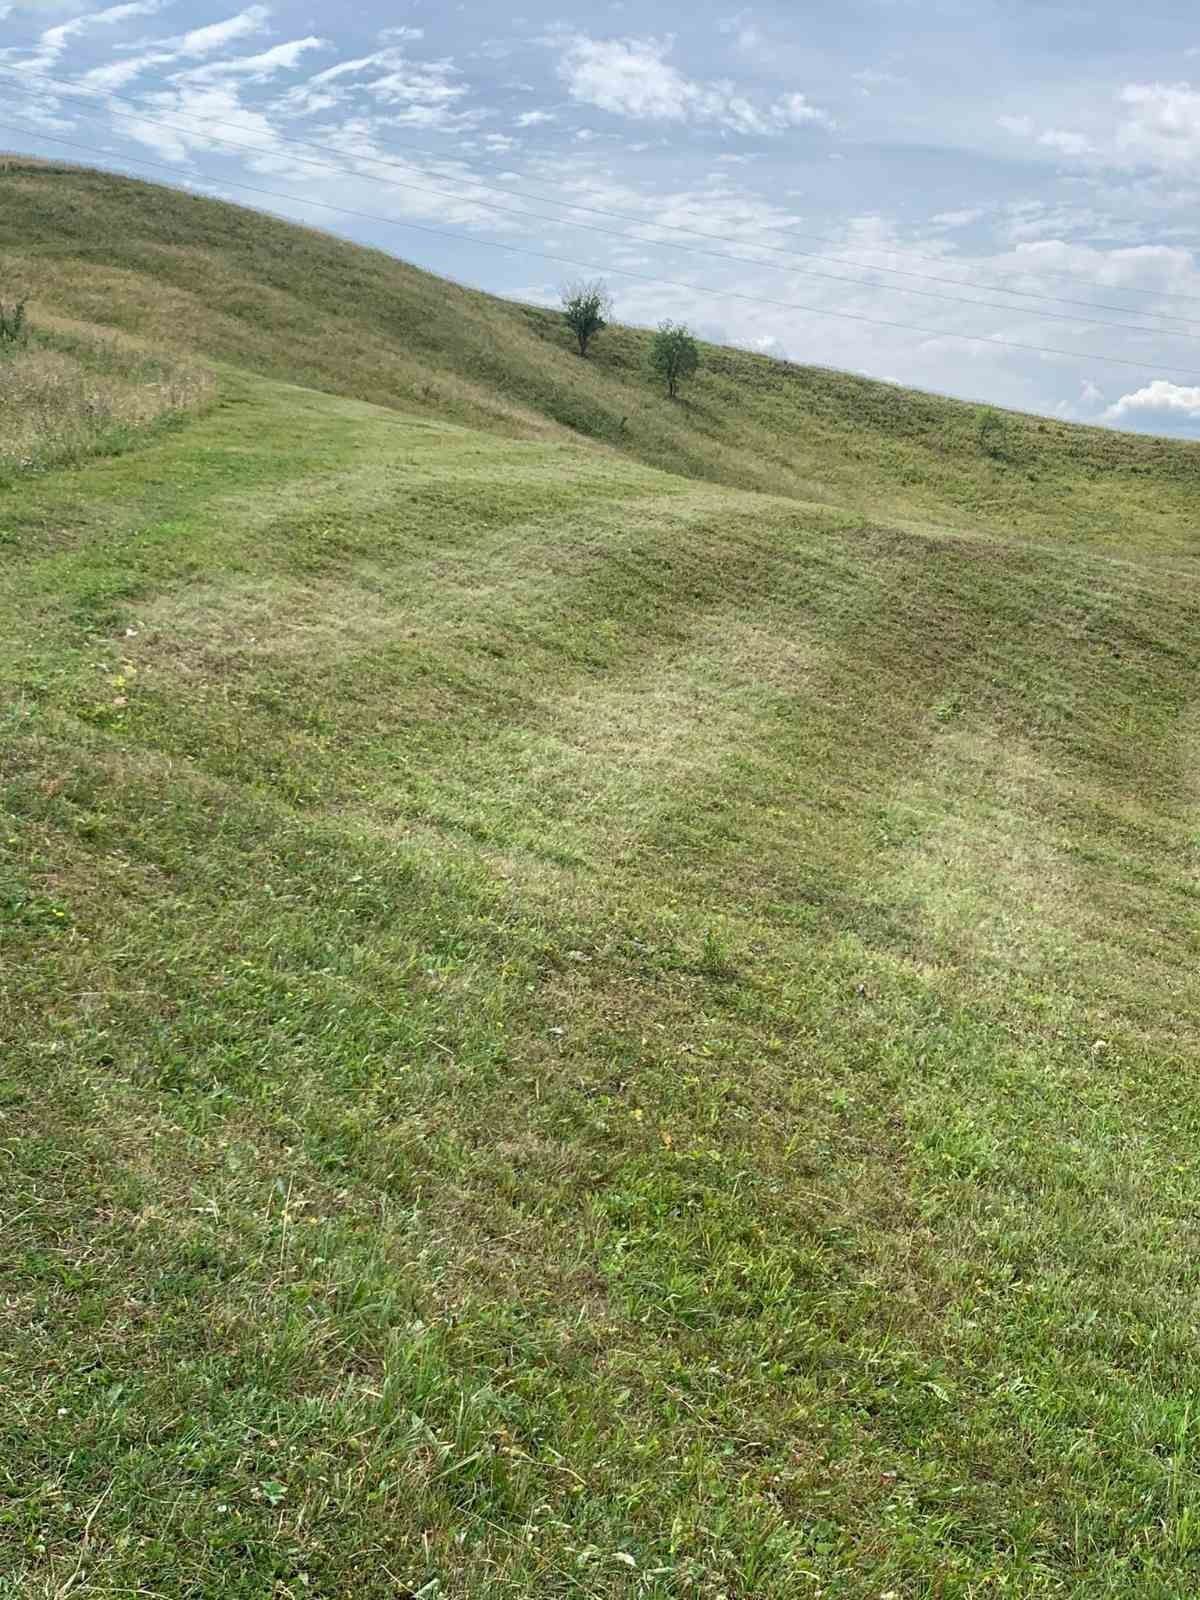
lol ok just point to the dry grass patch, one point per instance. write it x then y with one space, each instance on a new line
64 396
992 886
675 715
1000 893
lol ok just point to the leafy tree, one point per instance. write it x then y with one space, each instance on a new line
674 355
588 309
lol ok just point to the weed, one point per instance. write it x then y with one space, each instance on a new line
716 958
12 324
63 398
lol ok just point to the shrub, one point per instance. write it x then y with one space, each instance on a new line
674 355
12 323
993 433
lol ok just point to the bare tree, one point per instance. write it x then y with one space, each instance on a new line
588 309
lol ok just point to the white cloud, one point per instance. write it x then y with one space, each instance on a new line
628 77
742 28
1065 142
633 78
1162 124
201 107
203 41
425 94
258 68
795 109
959 219
54 40
421 94
1154 125
352 68
115 74
1160 400
280 57
1165 269
870 79
534 119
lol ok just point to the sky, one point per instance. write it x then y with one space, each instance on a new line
992 200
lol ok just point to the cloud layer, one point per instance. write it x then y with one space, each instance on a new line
634 78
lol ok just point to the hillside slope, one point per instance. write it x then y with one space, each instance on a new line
313 310
576 1030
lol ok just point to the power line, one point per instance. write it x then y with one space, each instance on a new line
625 272
62 86
613 233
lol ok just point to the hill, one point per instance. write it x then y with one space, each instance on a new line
574 1028
206 277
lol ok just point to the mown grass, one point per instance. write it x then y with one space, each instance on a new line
575 1031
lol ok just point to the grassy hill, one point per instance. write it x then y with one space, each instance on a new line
240 287
585 1011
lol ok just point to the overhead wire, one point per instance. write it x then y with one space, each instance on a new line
66 88
1147 367
886 288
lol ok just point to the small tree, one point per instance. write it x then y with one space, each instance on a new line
993 433
588 309
12 323
674 355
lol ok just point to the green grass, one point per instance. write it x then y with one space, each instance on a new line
571 1030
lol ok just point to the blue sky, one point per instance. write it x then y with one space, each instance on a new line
1026 173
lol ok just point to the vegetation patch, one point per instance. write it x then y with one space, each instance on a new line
67 395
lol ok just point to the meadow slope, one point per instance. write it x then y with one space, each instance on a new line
571 1029
209 278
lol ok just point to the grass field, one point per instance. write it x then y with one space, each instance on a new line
579 1030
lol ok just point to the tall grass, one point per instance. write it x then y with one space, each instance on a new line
64 397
